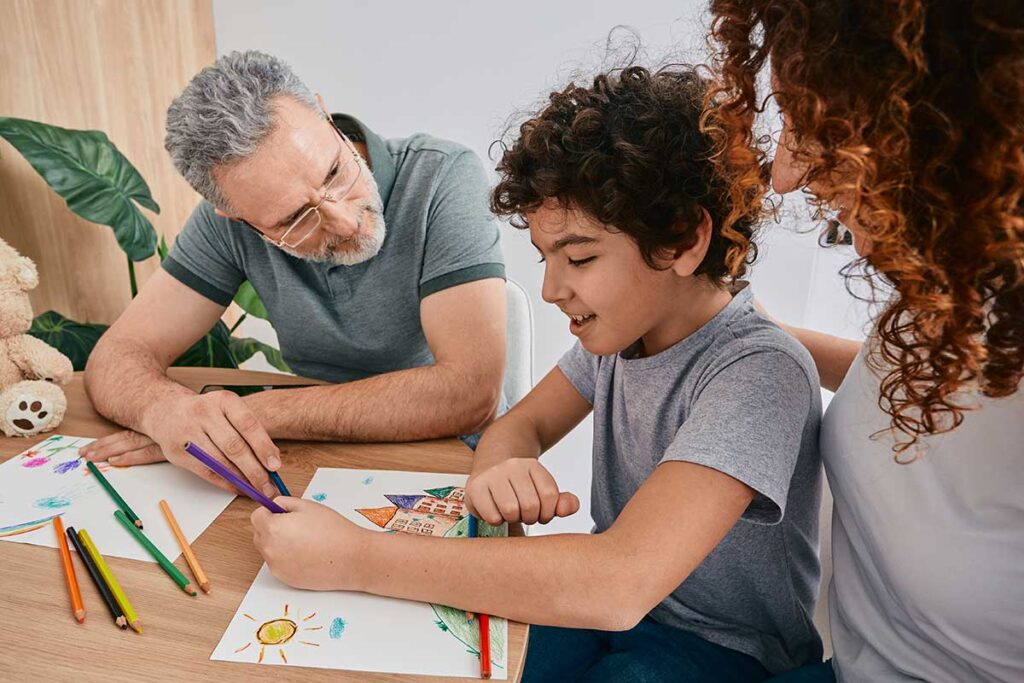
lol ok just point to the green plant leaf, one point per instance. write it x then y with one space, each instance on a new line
244 348
212 351
161 248
92 176
250 301
75 340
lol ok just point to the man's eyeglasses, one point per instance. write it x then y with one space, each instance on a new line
336 189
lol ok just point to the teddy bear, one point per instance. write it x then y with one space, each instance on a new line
31 372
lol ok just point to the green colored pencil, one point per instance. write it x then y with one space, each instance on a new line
108 576
171 570
113 494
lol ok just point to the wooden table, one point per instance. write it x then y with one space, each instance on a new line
43 642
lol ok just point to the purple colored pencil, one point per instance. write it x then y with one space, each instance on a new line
229 476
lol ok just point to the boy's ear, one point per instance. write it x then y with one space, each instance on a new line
690 259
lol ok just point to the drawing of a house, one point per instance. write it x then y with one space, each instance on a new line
433 514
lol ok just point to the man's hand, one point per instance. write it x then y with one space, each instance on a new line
518 490
311 546
219 422
123 449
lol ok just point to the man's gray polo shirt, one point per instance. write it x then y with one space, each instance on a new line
341 323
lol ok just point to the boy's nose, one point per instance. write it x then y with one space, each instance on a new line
552 290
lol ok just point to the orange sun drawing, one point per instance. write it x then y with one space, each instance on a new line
279 632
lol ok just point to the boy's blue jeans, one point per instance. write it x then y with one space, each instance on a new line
812 673
648 653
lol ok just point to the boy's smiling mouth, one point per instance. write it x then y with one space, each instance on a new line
578 321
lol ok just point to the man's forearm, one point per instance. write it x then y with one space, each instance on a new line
430 402
571 580
124 380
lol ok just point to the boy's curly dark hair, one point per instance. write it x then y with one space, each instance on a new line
628 152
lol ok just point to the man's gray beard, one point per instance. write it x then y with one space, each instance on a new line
340 251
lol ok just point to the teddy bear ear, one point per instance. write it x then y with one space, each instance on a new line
25 273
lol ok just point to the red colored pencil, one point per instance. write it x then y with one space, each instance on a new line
485 645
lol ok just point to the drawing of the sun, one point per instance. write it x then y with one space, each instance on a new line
279 632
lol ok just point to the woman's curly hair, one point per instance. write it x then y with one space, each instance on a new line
915 110
628 152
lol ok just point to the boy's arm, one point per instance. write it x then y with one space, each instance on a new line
550 411
507 482
606 581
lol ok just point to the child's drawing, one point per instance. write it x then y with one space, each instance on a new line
25 527
280 631
370 633
441 512
50 478
337 628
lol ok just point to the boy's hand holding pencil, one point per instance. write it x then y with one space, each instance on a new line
312 547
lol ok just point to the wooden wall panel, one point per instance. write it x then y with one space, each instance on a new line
112 65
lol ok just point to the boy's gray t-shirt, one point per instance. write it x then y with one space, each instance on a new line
741 396
342 323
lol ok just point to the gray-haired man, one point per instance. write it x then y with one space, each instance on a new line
407 321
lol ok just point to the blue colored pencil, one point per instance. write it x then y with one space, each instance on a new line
229 476
279 483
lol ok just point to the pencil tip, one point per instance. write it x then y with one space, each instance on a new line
205 586
80 616
138 523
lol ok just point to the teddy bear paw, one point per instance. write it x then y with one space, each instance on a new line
29 415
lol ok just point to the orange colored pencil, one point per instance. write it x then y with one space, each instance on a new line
186 549
69 571
485 645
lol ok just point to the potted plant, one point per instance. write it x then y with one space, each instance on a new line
99 184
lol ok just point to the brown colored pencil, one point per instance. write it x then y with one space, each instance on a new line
69 571
186 549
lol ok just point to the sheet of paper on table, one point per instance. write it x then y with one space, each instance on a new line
279 625
49 479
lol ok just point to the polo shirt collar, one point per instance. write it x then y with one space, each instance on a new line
381 164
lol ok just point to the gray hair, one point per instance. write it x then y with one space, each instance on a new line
225 113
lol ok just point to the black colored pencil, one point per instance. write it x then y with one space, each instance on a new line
101 585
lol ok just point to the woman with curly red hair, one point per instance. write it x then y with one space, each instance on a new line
907 119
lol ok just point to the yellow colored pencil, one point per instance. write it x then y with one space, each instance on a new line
108 576
186 549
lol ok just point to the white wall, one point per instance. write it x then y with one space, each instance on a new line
458 70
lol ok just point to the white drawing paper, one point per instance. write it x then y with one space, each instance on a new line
49 479
279 625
